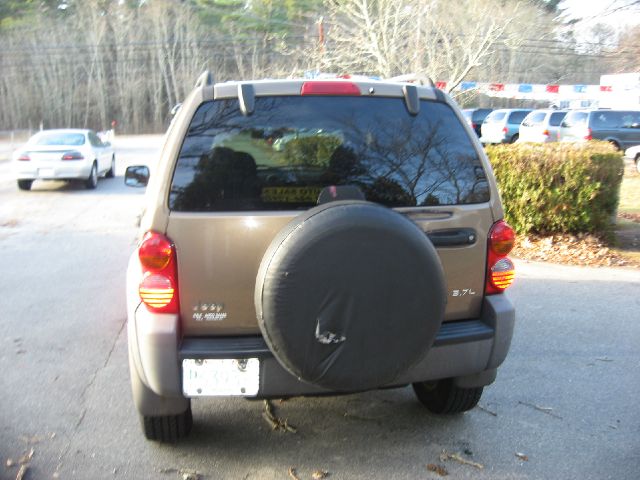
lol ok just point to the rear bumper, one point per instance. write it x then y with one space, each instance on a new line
52 170
465 350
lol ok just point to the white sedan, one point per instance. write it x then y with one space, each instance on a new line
65 154
634 154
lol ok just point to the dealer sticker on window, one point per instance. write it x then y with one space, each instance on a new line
217 377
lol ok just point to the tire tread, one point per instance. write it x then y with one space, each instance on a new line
167 428
446 398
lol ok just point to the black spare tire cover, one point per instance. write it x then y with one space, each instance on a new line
349 295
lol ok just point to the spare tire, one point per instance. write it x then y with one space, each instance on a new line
350 295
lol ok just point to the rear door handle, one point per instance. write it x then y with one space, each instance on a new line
453 237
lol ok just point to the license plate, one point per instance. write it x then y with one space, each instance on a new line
215 377
46 172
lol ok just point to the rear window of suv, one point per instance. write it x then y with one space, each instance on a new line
290 148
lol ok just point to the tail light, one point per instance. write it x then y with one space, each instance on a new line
505 130
24 158
545 133
159 286
589 135
329 88
73 155
500 269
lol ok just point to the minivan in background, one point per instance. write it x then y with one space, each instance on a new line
503 125
475 117
541 126
620 127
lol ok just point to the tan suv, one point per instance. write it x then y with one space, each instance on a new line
305 237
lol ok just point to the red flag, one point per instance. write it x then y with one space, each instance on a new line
441 85
496 87
553 88
606 88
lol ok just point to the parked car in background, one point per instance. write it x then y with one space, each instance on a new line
541 126
620 127
634 154
503 125
64 154
475 117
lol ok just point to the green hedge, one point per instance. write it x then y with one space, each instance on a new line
558 187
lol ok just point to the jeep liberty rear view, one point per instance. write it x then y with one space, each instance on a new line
306 237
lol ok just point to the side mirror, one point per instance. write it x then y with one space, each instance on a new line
136 176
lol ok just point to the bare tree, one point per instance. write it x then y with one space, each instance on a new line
442 40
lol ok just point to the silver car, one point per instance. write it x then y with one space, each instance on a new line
502 126
541 126
64 154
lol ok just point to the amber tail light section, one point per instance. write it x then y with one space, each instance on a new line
500 269
159 286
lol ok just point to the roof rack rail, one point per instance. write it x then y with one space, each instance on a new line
414 78
205 79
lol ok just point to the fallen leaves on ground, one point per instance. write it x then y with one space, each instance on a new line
440 470
293 474
547 410
22 461
581 249
185 474
275 422
319 474
444 456
522 456
22 472
35 438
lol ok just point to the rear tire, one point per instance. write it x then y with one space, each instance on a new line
167 428
25 184
443 397
638 163
92 181
515 138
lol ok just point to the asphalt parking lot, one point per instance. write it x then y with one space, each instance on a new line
564 404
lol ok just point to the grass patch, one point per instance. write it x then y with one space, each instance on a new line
627 231
630 192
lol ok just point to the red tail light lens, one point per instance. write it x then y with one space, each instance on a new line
73 155
545 133
329 88
24 158
589 135
159 287
505 130
500 269
501 238
155 251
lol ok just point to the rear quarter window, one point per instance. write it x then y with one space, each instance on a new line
291 148
515 118
534 119
495 117
556 118
575 119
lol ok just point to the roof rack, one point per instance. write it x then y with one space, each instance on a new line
204 80
414 78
